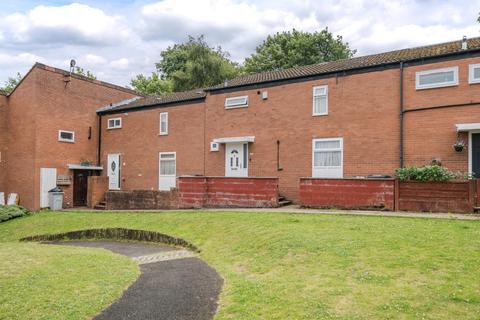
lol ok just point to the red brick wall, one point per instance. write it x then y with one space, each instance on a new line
348 193
436 196
3 141
430 134
139 143
141 200
97 186
43 104
222 192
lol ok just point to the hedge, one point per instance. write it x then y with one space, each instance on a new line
11 212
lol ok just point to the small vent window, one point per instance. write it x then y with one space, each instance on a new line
115 123
66 136
236 102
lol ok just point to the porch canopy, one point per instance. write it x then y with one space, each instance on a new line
82 167
463 127
235 139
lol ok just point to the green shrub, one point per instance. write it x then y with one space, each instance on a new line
426 173
11 212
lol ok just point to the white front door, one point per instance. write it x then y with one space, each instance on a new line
167 171
113 171
48 181
236 159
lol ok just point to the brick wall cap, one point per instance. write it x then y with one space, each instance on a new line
356 179
223 177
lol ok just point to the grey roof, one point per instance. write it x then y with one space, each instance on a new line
373 60
176 97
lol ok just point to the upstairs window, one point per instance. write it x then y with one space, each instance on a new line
474 73
320 100
66 136
114 123
236 102
437 78
163 123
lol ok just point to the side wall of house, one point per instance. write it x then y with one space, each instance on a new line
68 106
3 141
21 124
430 134
139 143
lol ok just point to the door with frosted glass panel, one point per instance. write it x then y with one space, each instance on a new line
167 170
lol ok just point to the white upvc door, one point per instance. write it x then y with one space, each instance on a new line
236 159
48 181
167 169
113 171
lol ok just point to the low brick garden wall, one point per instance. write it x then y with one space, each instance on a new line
436 196
227 192
97 186
352 193
390 194
141 200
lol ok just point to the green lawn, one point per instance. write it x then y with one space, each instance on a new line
275 266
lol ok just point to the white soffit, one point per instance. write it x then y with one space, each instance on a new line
235 139
467 126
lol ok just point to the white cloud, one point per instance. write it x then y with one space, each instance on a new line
116 42
70 24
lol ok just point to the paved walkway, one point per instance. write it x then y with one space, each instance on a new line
299 210
173 283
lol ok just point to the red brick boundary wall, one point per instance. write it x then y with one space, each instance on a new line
352 193
227 192
97 186
141 200
390 194
436 196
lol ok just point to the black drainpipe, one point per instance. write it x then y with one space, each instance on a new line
99 139
401 115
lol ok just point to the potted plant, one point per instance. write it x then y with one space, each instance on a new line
85 163
459 145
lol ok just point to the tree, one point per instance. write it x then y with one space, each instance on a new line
88 74
11 83
189 65
297 48
153 85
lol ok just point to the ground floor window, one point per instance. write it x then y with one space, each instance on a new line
327 158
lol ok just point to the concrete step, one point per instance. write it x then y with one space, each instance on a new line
100 206
284 203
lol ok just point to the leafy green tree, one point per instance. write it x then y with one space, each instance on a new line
152 85
297 48
88 74
11 83
189 65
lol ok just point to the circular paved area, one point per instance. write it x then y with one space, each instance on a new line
173 283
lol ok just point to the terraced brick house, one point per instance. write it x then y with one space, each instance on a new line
356 117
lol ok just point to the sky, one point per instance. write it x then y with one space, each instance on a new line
118 39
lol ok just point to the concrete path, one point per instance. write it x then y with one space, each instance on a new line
173 283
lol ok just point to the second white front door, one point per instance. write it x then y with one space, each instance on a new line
167 171
113 172
236 159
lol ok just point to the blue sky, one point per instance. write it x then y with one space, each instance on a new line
118 39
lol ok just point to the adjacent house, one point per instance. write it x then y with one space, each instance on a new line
355 117
49 134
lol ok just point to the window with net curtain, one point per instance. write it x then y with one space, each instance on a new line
320 100
167 164
164 123
327 153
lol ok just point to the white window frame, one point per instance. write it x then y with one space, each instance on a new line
66 140
243 105
437 85
471 68
163 133
318 95
109 127
339 169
